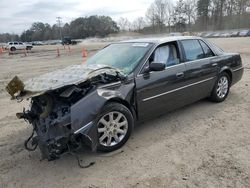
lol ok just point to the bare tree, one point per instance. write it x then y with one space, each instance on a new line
158 14
124 24
138 24
190 11
151 15
203 13
179 16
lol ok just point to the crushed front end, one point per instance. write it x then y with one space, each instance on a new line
49 115
63 116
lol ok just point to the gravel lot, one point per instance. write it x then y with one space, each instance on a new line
200 145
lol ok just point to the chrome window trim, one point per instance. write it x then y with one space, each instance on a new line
215 55
207 43
195 61
210 46
162 70
171 91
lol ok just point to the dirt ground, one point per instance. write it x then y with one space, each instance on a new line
200 145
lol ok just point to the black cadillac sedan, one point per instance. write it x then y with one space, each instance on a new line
98 103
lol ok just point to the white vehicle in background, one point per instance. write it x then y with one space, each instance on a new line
13 46
175 34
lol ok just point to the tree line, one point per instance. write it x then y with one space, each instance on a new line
79 28
191 15
161 16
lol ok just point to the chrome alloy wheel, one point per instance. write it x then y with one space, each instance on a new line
112 128
222 87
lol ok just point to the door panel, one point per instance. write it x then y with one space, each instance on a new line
158 92
201 68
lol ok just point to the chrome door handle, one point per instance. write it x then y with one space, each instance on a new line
179 74
214 64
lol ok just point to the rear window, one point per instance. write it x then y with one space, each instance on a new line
193 50
215 48
207 51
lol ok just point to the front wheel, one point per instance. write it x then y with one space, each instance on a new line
221 88
114 127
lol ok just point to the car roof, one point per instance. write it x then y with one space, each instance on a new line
160 40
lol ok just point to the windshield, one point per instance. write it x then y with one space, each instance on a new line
123 56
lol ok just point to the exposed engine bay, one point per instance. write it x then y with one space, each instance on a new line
63 117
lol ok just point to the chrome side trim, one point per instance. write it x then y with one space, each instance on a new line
79 130
238 69
171 91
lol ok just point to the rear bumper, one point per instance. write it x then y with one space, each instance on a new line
237 75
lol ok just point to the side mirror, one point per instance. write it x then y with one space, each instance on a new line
153 66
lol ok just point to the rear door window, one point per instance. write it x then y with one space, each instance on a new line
207 51
15 43
192 49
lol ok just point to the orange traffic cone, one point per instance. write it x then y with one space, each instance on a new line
58 52
84 52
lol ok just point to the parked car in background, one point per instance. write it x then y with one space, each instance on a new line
235 34
13 46
53 42
98 103
199 34
225 34
244 33
216 35
207 35
68 40
175 34
37 43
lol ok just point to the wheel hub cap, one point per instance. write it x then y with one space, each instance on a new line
112 128
222 87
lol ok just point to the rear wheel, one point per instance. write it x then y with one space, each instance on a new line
221 88
114 127
12 49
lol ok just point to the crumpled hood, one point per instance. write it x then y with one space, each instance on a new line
74 74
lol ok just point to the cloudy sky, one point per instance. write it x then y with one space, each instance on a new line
18 15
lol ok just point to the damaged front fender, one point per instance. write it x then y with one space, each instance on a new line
85 113
65 106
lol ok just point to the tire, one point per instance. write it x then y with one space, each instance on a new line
12 49
221 88
113 133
